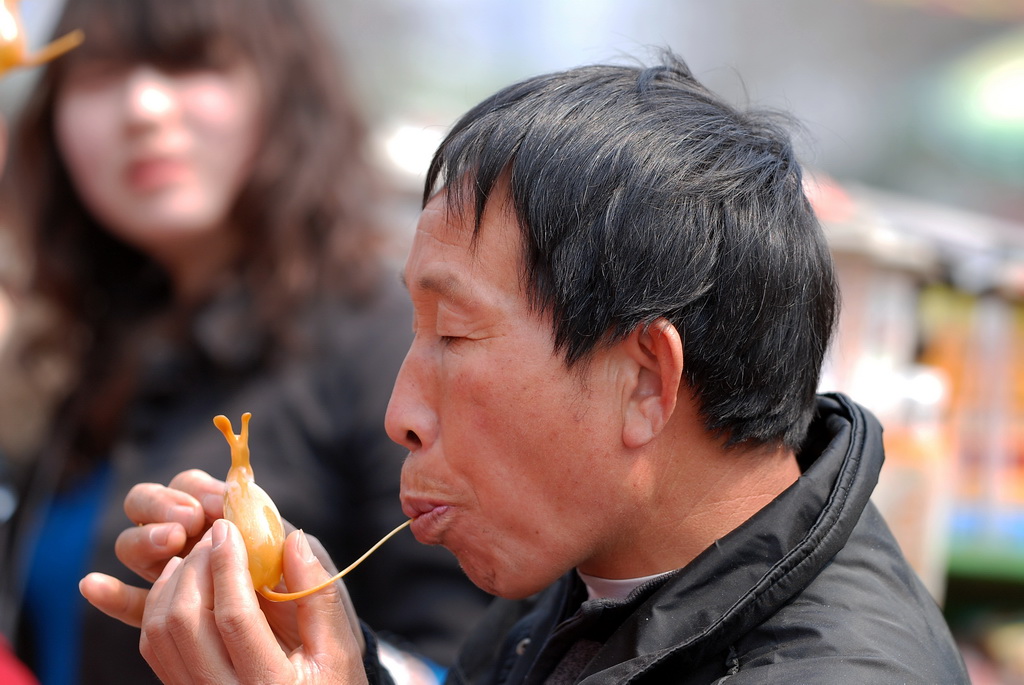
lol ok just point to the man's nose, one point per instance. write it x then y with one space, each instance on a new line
411 420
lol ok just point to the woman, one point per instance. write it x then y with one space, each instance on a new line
191 189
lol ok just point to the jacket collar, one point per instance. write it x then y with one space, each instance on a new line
714 600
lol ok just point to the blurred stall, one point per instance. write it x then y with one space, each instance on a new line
931 338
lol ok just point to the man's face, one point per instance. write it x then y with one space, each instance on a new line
509 450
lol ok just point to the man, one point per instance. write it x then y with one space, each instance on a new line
622 302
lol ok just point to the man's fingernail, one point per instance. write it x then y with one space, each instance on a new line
172 564
183 515
158 535
213 504
219 533
305 551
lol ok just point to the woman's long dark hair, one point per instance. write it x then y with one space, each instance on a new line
306 212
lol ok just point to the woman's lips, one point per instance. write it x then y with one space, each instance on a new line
145 175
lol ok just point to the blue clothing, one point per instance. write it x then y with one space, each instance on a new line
60 559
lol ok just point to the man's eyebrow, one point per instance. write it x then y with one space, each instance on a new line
448 287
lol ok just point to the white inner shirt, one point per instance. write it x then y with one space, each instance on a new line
607 588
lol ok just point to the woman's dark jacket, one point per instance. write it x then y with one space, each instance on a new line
811 589
318 448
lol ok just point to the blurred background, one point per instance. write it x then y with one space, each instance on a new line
912 116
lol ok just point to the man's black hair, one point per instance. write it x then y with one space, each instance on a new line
640 194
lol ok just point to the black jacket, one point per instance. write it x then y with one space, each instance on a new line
811 589
318 448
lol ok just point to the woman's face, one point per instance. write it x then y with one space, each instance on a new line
159 156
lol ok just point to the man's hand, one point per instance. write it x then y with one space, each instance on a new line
170 521
203 622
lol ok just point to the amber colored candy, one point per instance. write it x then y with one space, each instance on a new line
14 47
250 508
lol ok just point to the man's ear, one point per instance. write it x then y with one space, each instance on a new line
657 351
